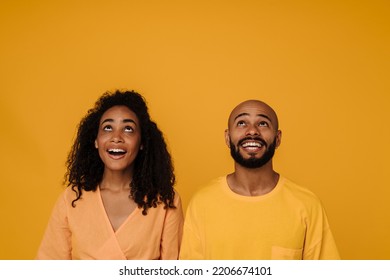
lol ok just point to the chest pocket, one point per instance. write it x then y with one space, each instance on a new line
281 253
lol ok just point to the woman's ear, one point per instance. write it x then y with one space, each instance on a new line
96 144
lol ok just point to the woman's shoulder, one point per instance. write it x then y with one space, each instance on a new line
69 195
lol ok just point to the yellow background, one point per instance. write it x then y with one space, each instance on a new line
323 65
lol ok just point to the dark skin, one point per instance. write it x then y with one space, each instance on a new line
119 131
253 118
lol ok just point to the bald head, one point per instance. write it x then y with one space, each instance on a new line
256 107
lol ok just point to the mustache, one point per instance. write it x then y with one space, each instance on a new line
261 140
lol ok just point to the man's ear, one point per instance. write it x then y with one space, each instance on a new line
278 138
227 138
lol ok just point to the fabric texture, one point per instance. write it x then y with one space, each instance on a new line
85 232
287 223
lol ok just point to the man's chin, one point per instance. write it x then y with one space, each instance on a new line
250 156
250 159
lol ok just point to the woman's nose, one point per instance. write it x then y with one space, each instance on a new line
117 137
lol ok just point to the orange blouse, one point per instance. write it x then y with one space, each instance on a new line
85 232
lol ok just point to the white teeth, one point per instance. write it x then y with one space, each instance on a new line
116 150
251 144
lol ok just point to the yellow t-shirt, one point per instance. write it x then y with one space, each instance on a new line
287 223
85 232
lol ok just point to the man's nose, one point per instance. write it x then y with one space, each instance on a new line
252 130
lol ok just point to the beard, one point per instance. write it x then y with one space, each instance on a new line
253 162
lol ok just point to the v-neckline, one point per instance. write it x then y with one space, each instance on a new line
107 218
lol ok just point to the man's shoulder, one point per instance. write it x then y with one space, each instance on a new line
298 191
210 189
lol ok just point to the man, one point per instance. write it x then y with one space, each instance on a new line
255 213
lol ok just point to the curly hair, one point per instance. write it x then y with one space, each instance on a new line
153 178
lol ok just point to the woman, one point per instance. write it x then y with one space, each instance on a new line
120 202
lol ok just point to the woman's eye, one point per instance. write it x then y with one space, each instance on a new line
129 129
107 128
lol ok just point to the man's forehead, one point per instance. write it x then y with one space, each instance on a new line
253 107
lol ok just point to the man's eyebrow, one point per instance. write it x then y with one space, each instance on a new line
265 116
259 115
124 121
240 115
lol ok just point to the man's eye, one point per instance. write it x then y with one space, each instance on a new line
107 128
240 123
263 123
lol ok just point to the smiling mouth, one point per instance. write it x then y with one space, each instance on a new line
252 144
116 152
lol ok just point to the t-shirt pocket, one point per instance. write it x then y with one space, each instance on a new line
281 253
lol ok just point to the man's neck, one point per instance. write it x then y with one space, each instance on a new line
253 181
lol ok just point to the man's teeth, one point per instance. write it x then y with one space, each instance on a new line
251 144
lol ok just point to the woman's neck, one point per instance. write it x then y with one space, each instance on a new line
116 180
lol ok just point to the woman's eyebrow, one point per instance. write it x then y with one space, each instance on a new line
124 121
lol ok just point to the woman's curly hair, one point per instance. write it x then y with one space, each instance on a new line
153 176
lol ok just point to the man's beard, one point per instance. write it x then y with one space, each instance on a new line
252 162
